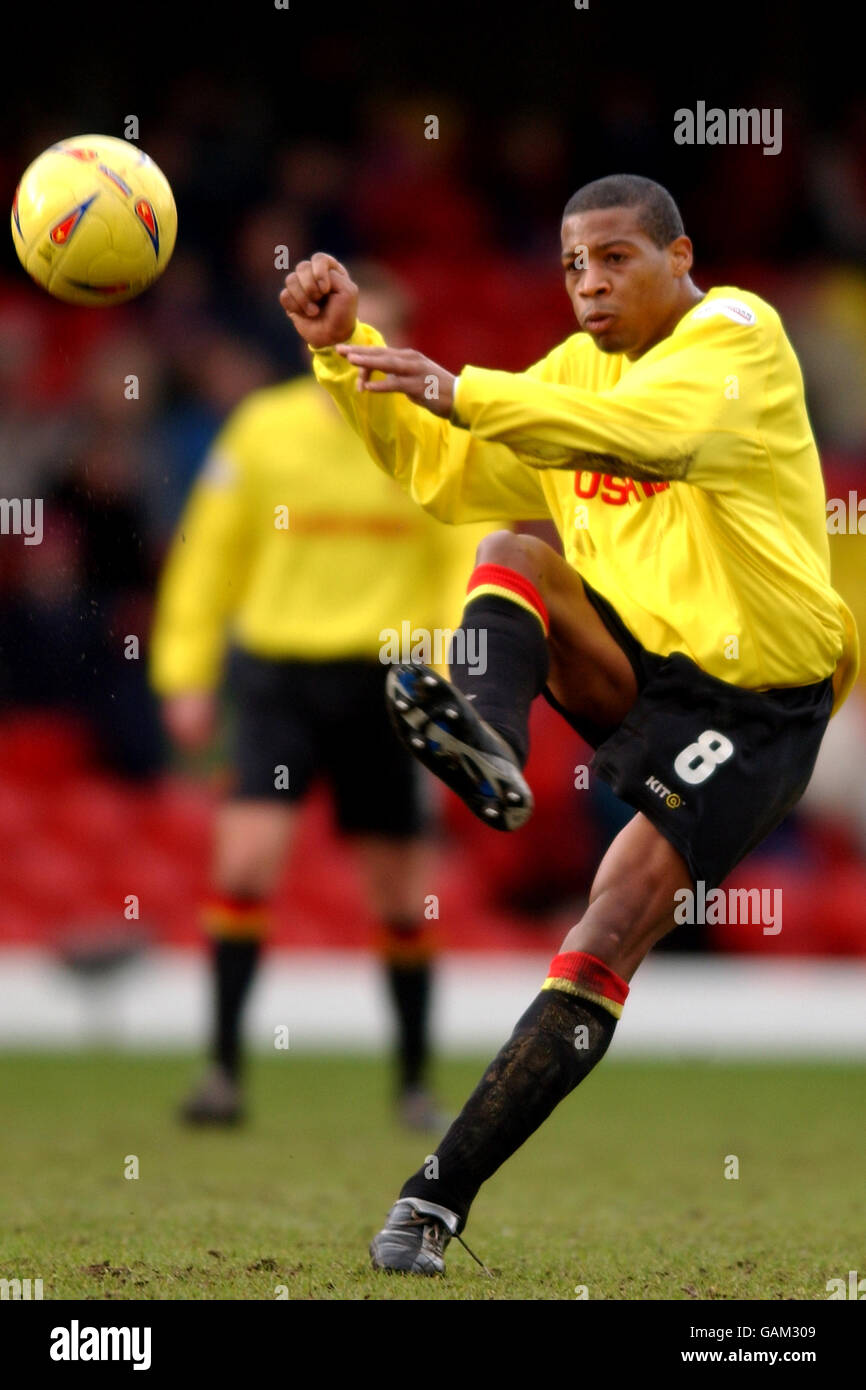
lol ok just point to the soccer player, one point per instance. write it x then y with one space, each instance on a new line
690 633
295 549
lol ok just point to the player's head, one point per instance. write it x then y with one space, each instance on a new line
627 262
383 301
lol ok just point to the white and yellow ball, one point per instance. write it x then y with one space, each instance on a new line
94 220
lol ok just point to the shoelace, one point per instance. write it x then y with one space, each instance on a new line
438 1230
488 1272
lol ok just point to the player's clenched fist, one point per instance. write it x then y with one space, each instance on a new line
321 299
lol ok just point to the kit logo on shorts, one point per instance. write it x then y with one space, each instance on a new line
671 799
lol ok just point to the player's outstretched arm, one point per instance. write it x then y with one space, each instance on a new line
418 377
670 417
321 300
450 474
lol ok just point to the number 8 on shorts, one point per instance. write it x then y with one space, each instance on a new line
700 759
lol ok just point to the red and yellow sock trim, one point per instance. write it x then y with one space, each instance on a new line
235 919
577 972
506 583
400 944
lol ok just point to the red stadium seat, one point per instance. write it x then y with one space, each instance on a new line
37 747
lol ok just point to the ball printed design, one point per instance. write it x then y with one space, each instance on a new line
94 220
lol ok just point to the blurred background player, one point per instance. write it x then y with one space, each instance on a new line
293 554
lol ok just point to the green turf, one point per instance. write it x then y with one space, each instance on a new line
622 1191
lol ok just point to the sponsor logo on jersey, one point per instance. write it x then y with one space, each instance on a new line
733 309
616 492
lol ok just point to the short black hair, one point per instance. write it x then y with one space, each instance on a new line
658 214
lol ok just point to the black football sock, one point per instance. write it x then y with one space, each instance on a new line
499 653
565 1031
237 927
235 965
409 974
410 992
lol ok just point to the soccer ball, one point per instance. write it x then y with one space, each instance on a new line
93 220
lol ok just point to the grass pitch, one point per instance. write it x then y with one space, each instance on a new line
622 1192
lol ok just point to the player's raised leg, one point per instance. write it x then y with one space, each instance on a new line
563 1034
250 845
527 623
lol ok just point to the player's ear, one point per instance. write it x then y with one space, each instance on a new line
681 256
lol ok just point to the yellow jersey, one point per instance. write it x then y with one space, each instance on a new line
686 485
293 545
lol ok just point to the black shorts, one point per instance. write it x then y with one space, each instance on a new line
714 767
323 719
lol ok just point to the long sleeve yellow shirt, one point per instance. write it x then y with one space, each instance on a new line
686 485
